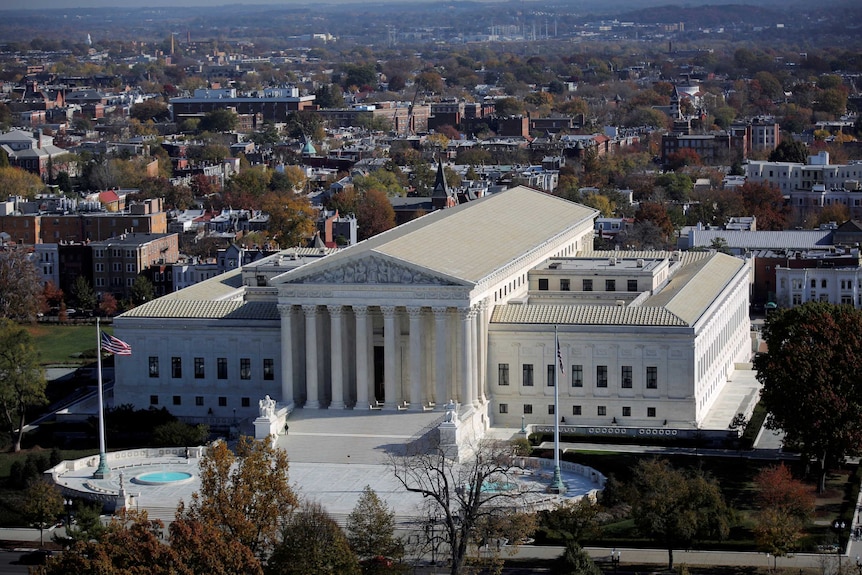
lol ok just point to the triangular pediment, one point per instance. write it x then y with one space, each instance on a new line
374 269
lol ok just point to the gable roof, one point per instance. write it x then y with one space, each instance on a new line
471 241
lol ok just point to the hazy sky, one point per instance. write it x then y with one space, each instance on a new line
60 4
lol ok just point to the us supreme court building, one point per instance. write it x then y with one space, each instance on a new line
458 305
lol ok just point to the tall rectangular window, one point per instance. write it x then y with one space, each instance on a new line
221 367
178 400
543 284
222 401
502 374
577 376
551 409
576 410
527 374
650 412
652 377
199 400
528 408
601 376
176 367
199 368
504 408
610 285
565 285
154 400
632 285
552 374
154 366
588 285
627 411
626 376
268 369
245 368
601 410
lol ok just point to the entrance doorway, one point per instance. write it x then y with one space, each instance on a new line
379 388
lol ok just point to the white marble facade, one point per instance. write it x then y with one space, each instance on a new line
398 321
426 314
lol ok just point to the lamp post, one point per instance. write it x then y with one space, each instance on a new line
838 526
431 534
523 424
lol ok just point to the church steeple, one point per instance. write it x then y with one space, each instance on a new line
675 111
441 195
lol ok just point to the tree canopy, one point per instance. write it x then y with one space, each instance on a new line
312 542
676 507
784 506
789 151
246 494
810 377
371 528
20 286
22 381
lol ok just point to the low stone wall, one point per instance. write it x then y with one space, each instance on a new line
120 459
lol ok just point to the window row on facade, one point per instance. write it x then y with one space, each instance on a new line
601 410
221 365
199 401
577 376
565 284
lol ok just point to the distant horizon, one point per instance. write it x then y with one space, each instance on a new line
84 4
12 5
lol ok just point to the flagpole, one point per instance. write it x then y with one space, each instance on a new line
103 471
557 485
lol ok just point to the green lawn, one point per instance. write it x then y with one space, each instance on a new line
65 344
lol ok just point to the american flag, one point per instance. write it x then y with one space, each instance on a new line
116 346
560 359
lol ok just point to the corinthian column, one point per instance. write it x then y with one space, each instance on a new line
391 382
416 371
468 354
312 400
362 338
442 359
336 359
286 313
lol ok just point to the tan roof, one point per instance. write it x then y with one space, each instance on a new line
195 309
692 289
584 315
226 285
680 303
471 241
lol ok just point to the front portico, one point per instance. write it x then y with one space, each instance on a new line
379 333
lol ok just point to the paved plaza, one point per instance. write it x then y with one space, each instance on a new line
333 456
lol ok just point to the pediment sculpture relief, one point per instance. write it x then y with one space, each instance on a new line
373 271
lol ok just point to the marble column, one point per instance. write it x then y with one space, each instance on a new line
391 382
442 359
467 387
481 351
312 397
286 313
336 358
417 372
362 338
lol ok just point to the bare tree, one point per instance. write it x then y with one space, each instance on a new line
465 497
